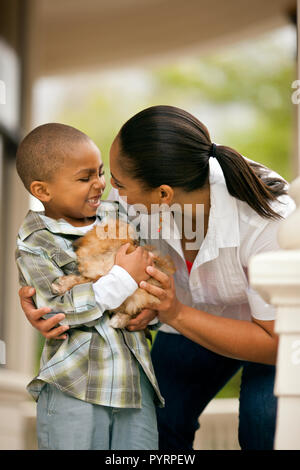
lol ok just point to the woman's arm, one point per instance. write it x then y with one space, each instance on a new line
78 304
51 327
250 341
107 293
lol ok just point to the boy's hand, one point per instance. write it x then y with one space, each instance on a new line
135 263
34 316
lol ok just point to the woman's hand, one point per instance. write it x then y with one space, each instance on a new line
141 321
169 306
34 316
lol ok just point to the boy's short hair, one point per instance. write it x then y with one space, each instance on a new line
44 150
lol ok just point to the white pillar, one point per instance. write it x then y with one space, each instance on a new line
276 276
19 335
298 68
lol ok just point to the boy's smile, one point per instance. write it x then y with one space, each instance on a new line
74 192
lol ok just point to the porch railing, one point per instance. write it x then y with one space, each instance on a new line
276 276
218 431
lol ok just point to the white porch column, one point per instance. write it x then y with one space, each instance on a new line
276 276
298 67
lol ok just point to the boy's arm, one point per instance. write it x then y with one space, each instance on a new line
80 304
112 289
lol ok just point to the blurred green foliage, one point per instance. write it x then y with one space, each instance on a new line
242 93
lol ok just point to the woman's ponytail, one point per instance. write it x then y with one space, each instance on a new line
250 181
167 145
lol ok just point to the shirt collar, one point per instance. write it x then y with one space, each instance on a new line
223 225
37 220
224 209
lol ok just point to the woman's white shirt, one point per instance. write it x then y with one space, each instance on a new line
218 281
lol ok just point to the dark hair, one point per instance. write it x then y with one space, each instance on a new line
43 151
167 145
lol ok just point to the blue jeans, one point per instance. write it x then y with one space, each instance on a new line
66 423
189 376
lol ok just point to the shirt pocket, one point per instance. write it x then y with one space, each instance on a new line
65 261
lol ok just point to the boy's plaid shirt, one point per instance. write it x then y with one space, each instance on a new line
96 363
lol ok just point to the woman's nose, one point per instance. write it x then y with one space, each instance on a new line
100 182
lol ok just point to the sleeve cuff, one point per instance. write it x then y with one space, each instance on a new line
259 308
124 277
112 289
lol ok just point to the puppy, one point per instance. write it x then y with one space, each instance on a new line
96 252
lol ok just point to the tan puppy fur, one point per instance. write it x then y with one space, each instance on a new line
96 252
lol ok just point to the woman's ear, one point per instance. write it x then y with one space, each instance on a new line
40 190
166 194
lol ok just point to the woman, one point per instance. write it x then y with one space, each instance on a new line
213 323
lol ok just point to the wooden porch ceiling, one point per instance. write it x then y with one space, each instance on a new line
77 35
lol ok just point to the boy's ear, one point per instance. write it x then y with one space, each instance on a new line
40 190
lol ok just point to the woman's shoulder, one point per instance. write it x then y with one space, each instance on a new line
257 233
284 205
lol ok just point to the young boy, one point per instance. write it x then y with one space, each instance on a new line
97 388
